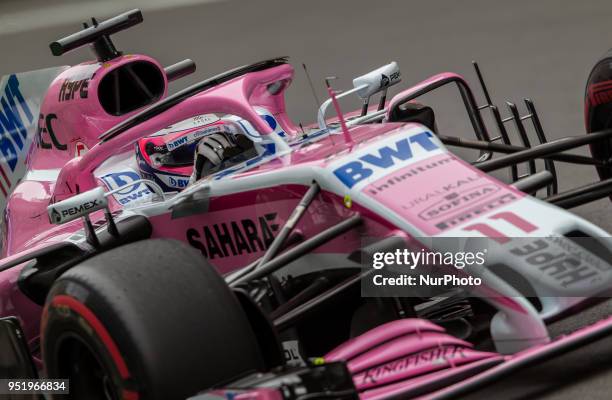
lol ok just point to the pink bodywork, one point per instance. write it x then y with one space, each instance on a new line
384 361
78 122
27 226
424 212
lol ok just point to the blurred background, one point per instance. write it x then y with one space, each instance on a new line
541 49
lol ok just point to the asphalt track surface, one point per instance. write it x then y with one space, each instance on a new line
542 50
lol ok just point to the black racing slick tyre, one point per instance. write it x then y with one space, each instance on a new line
598 109
149 320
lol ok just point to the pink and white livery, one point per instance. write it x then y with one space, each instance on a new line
137 275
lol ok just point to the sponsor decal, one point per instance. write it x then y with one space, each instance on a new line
232 238
172 181
160 148
45 127
268 151
271 121
458 200
13 131
176 143
410 172
189 123
192 137
20 96
439 193
447 190
291 350
204 119
178 182
384 158
385 80
80 148
77 206
80 209
130 195
562 260
56 217
476 211
70 88
438 356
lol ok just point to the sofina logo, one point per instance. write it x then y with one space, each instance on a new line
383 158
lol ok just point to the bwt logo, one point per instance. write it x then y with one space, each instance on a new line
130 193
177 143
12 129
355 171
177 182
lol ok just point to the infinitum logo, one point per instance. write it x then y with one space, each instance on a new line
409 172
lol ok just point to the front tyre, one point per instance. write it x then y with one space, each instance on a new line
598 109
148 320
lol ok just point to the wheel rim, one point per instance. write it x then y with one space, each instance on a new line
88 377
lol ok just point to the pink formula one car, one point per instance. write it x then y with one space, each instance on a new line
201 244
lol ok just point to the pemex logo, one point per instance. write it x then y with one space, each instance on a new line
384 81
56 217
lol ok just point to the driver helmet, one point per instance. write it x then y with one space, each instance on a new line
167 157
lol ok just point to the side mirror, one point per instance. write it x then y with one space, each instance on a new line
377 80
80 206
77 206
365 86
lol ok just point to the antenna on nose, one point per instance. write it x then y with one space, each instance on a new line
332 95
